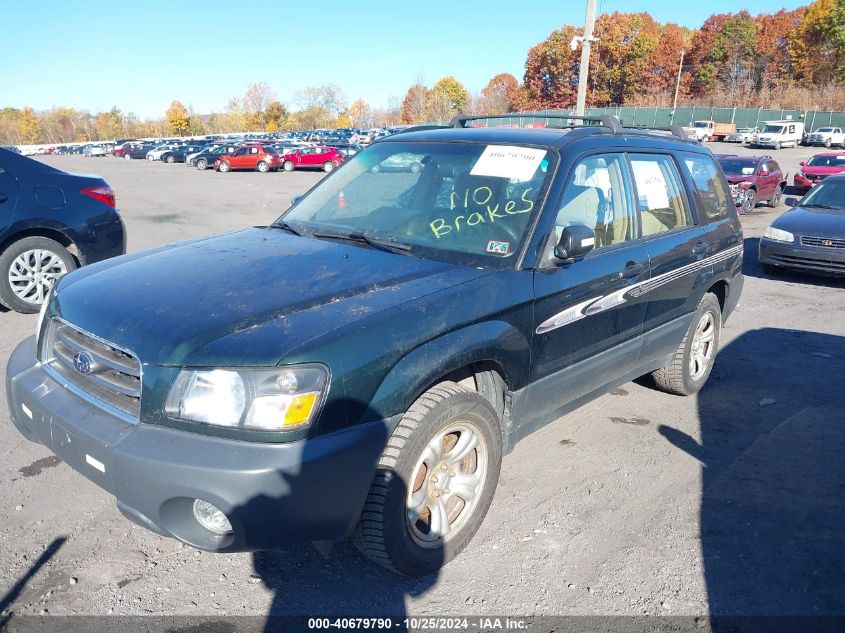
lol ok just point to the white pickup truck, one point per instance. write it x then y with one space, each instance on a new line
827 136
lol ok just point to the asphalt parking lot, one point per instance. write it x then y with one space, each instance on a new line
729 502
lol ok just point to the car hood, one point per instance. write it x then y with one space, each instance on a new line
826 223
735 179
241 299
808 169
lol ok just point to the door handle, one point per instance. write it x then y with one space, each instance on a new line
631 269
701 249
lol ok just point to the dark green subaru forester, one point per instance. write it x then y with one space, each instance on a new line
361 365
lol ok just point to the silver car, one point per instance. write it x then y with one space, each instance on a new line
742 135
94 150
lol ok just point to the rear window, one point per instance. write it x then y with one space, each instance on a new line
738 166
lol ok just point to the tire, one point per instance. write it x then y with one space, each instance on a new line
31 249
127 157
679 377
288 165
202 164
224 166
263 167
771 271
750 200
775 199
827 143
170 160
777 145
328 166
384 532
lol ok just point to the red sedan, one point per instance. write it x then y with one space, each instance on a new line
818 168
325 158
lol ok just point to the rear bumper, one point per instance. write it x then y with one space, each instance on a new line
811 259
273 494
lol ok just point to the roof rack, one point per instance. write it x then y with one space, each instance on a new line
603 120
675 130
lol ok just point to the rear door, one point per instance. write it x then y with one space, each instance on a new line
588 314
8 195
678 247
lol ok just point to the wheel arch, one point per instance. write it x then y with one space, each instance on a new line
49 233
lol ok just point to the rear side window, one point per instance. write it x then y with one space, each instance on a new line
711 195
660 196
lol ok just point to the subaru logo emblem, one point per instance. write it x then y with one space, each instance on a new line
83 363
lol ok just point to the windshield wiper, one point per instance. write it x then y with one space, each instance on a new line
377 243
281 224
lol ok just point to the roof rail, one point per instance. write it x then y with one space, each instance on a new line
603 120
421 128
675 130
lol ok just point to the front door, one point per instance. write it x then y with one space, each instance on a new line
589 313
8 197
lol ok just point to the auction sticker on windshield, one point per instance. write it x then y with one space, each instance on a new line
507 161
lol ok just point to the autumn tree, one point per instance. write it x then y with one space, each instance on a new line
817 46
772 64
29 126
360 114
327 97
623 57
413 105
454 90
501 94
663 72
551 70
275 116
178 117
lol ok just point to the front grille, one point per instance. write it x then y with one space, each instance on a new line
115 374
806 262
822 242
815 177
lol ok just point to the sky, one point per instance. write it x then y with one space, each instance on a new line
139 56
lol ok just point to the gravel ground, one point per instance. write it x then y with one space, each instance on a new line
730 502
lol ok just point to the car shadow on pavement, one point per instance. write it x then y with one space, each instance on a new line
9 598
343 583
751 267
772 440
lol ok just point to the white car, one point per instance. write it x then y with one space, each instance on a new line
827 136
156 152
742 135
94 150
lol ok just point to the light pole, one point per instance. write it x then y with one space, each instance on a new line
586 41
677 85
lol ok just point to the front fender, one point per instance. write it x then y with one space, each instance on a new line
498 342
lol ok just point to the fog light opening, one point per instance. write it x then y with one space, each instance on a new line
211 517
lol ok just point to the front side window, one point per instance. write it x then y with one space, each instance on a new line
461 202
598 197
659 194
710 194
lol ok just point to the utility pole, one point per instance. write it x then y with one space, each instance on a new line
677 85
584 70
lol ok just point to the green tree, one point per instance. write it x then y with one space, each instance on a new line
178 117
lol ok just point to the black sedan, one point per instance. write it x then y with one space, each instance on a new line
52 222
811 236
138 153
206 158
179 154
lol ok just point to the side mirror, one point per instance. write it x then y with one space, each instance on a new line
802 163
296 199
575 241
791 202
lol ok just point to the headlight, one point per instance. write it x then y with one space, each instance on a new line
278 399
779 235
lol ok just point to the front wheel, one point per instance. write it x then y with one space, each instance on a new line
777 145
750 200
288 165
224 166
434 482
171 160
693 360
29 268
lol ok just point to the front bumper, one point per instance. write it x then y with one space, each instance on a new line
811 259
273 494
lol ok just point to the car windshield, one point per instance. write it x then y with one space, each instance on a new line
701 124
825 129
827 161
828 194
738 166
773 129
466 203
